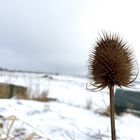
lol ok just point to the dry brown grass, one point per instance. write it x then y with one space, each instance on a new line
8 133
43 97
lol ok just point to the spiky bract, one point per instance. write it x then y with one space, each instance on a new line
111 62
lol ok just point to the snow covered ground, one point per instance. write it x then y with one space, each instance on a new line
75 115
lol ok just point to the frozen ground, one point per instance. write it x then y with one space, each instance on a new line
76 115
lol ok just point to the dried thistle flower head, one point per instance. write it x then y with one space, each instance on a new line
111 62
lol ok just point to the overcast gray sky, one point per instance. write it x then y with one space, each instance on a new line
56 35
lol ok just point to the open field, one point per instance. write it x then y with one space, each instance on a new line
71 113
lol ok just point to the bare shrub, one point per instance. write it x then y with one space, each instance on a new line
43 97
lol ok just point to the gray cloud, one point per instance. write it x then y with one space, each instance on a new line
41 35
56 35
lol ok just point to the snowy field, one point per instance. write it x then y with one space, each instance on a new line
77 114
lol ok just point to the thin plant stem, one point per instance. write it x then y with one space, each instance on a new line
10 127
112 113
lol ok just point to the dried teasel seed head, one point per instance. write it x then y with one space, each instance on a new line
111 62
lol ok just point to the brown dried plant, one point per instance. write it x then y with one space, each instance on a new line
111 63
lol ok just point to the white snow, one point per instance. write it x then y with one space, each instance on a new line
74 116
